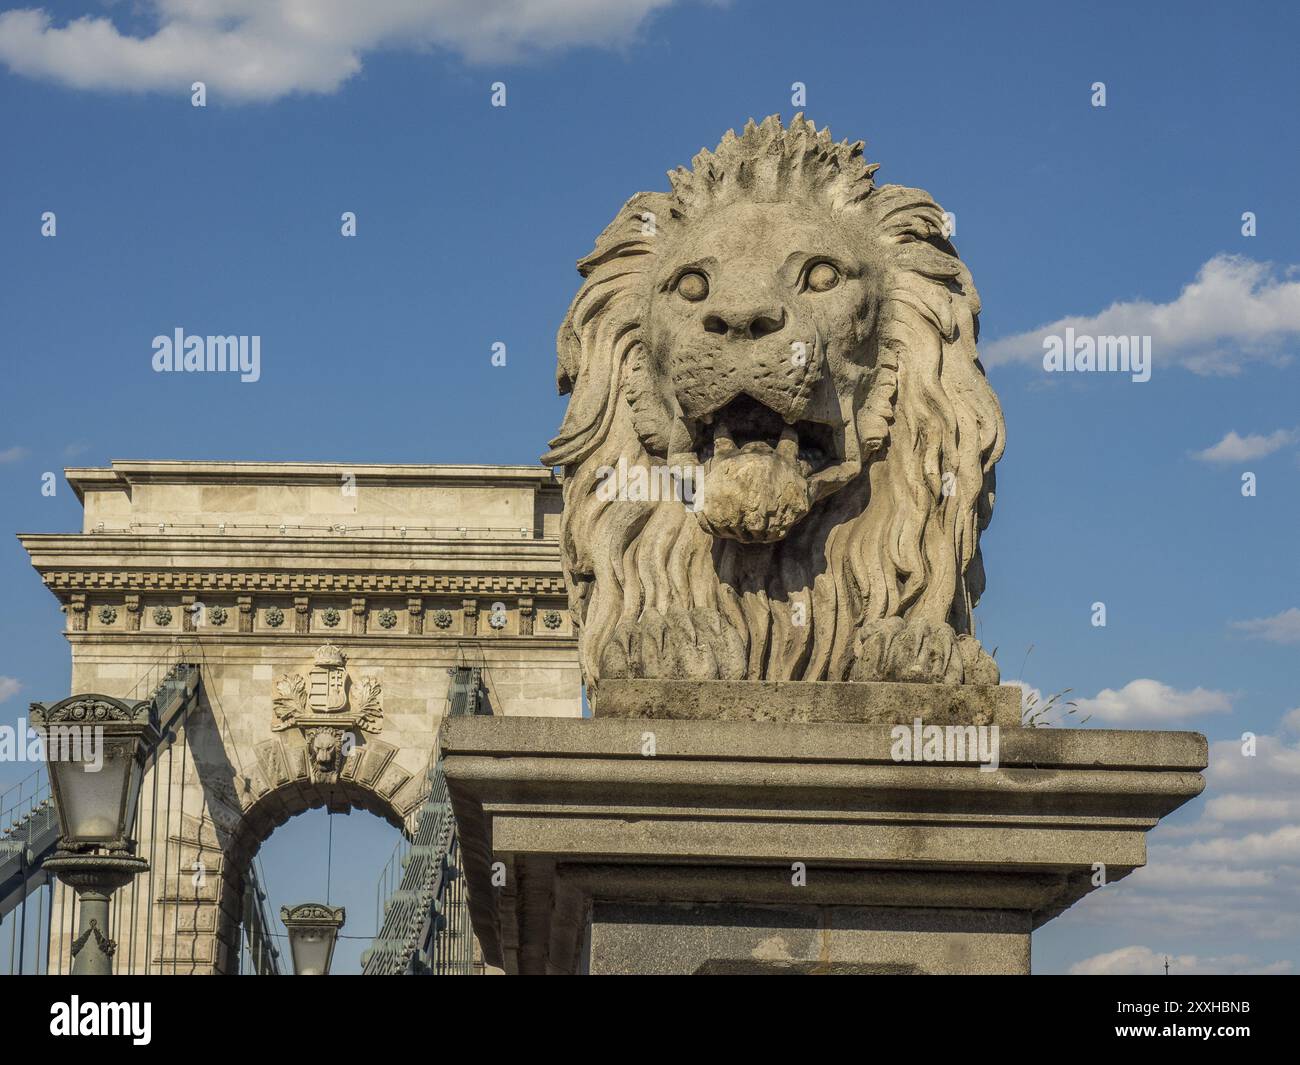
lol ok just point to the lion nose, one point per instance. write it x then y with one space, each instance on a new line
745 323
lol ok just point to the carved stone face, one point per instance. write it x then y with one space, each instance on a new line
324 748
758 317
808 338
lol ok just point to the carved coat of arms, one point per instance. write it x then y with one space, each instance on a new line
328 708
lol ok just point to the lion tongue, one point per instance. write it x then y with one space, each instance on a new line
752 496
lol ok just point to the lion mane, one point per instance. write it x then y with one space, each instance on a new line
900 540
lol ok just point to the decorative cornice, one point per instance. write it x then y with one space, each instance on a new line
123 474
92 710
65 582
313 913
340 542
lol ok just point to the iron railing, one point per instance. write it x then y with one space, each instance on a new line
424 926
258 953
29 829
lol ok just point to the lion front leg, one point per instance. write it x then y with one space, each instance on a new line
920 651
694 644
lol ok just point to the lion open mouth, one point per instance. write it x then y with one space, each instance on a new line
759 469
747 426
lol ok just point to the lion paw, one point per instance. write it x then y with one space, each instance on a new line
694 644
920 651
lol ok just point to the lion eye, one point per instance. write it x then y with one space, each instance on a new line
823 277
693 286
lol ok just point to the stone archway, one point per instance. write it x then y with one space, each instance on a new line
371 780
233 771
237 802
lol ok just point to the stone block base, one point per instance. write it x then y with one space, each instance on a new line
728 939
692 846
802 702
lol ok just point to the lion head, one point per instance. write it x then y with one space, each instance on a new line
792 348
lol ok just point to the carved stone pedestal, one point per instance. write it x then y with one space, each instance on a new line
689 846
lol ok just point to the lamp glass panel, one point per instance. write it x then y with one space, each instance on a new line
135 771
90 790
312 948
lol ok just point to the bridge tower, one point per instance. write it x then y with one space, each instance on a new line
326 608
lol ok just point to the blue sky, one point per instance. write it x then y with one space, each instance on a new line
225 219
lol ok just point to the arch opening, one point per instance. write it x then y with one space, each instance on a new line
319 853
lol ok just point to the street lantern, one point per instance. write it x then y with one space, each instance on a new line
313 930
95 751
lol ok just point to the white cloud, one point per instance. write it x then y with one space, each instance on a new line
1235 311
1143 961
264 49
1230 877
1201 908
1150 702
9 687
1234 448
1280 628
12 454
1233 807
1261 848
1171 871
1272 767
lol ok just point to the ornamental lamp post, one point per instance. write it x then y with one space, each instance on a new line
96 747
313 930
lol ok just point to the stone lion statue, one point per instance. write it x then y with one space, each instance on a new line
787 352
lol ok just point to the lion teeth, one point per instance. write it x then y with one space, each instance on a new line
723 443
788 447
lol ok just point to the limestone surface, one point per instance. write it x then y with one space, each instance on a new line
780 444
678 846
795 701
